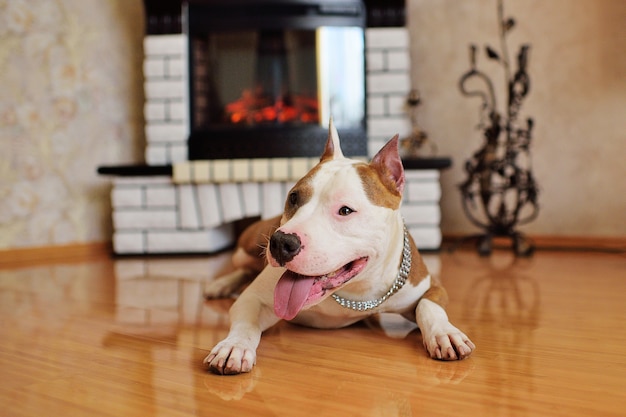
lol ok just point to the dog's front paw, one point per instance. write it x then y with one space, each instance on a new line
230 358
448 344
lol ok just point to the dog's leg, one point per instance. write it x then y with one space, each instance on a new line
247 267
227 284
441 339
250 315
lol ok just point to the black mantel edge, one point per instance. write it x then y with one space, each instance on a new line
427 163
140 170
136 170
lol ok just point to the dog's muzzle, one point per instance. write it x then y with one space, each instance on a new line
284 246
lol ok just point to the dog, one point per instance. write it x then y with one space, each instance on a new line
339 253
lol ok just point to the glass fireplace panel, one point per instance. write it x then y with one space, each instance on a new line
341 72
279 77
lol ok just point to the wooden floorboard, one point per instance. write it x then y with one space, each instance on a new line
126 337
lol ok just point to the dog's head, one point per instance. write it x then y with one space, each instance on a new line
335 224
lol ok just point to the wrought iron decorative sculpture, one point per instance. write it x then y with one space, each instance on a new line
500 192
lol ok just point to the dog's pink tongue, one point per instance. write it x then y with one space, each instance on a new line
291 293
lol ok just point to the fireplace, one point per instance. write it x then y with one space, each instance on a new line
265 77
238 94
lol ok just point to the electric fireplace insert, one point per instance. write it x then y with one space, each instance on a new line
266 76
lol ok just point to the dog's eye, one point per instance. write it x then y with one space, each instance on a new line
293 198
345 211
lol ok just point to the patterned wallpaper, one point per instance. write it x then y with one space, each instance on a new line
71 98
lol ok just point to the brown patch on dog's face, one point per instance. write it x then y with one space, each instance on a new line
299 195
379 192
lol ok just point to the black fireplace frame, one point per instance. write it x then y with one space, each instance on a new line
226 142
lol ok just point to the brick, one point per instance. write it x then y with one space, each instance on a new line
232 205
421 214
201 171
375 60
154 69
182 172
165 44
398 60
273 199
388 83
176 68
154 111
376 106
280 169
251 192
299 167
156 154
166 132
221 170
160 196
418 191
210 210
260 169
178 152
144 219
211 240
177 110
396 105
128 242
188 215
142 181
164 89
426 237
389 126
126 197
387 38
421 174
241 170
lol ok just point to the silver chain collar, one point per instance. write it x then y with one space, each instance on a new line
403 273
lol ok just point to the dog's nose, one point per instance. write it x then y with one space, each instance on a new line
284 246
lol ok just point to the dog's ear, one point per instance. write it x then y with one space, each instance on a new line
388 164
333 148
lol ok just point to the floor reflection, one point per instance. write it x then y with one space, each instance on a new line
504 307
160 304
162 294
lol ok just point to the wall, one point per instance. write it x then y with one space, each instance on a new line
578 100
72 99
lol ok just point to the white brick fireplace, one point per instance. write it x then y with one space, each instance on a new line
166 110
192 210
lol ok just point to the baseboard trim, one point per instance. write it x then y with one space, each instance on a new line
544 242
81 252
72 253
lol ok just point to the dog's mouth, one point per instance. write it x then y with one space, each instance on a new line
295 291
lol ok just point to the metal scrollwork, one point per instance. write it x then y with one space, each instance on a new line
500 192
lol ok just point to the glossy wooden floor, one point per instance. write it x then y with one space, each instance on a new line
127 338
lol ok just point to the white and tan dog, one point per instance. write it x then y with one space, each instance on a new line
340 255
